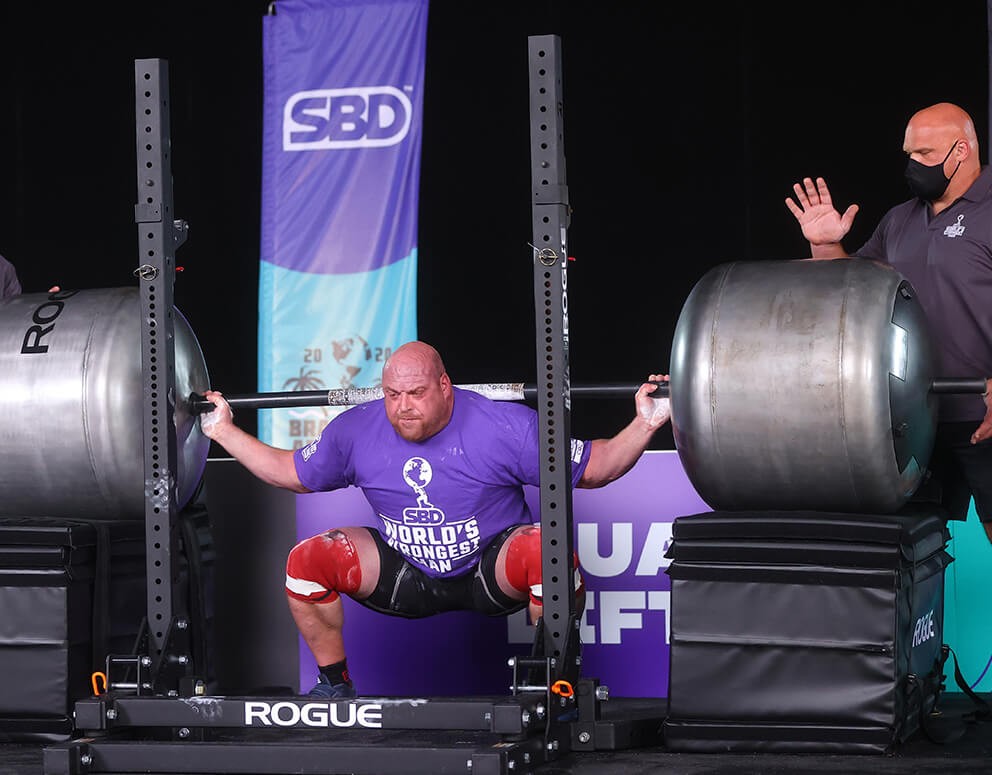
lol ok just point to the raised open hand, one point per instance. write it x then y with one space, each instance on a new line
820 221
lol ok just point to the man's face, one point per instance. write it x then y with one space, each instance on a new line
418 404
929 144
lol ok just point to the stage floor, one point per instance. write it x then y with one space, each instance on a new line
970 755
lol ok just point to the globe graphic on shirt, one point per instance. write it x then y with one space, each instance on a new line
417 473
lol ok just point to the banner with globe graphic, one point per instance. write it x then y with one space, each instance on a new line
343 94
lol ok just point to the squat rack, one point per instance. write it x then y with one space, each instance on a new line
164 722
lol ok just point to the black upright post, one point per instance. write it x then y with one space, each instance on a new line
158 237
558 628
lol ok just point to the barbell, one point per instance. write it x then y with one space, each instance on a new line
794 385
352 396
497 391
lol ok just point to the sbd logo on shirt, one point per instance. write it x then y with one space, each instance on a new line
358 117
417 473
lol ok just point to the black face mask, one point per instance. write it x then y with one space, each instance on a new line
929 183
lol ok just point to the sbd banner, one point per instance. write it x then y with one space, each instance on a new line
343 83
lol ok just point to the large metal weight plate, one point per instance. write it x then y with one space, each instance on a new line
803 385
71 406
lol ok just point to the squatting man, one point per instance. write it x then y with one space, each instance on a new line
443 469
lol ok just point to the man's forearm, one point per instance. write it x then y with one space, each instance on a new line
272 465
609 459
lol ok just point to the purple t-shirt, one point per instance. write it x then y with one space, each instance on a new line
442 500
948 260
9 284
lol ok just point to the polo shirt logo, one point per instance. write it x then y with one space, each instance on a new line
956 229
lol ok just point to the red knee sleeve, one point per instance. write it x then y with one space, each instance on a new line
321 567
523 564
523 559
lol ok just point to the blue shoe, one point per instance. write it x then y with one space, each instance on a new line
327 690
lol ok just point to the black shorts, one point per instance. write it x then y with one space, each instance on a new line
405 590
960 471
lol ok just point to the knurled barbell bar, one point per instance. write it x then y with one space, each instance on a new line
497 391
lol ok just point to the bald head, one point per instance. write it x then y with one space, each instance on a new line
946 117
414 355
945 134
417 391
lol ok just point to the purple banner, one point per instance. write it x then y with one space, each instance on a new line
343 105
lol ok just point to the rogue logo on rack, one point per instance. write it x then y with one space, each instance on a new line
358 117
323 715
924 629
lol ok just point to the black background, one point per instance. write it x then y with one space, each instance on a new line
685 126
